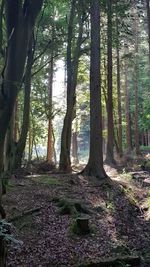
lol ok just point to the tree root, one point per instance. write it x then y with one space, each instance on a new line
133 261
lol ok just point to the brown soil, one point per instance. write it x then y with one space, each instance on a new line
118 217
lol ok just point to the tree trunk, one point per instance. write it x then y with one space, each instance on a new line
19 28
110 141
20 146
148 20
75 144
75 148
30 144
16 123
127 112
95 163
119 95
1 27
72 72
136 75
50 152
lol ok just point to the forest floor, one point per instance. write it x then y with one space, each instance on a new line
119 218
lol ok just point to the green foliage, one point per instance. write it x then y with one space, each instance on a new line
70 207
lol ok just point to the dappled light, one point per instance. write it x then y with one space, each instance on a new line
74 133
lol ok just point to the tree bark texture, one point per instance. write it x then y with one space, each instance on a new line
110 125
148 22
20 19
50 143
20 145
72 72
95 163
119 94
127 112
136 76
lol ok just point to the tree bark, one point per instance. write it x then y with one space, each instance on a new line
148 22
110 140
95 163
50 150
1 27
136 75
75 144
20 145
16 122
72 72
19 23
119 94
127 112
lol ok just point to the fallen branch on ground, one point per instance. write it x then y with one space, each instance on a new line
24 213
133 261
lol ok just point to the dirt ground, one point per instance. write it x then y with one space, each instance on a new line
119 218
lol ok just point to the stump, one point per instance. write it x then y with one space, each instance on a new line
81 226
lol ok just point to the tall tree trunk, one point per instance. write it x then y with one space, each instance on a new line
20 146
10 146
72 72
75 144
1 27
136 75
50 151
127 112
20 21
119 94
30 144
110 141
95 163
75 148
16 122
148 20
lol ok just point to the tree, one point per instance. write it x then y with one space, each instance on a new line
20 20
148 22
94 166
119 89
20 145
110 124
73 54
136 76
50 150
127 110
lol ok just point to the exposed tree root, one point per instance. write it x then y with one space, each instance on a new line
133 261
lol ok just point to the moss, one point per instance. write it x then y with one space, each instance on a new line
125 176
47 180
122 249
69 207
24 223
147 165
